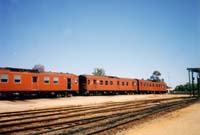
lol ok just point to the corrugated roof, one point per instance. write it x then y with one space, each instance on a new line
197 70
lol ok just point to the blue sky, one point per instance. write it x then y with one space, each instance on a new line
128 38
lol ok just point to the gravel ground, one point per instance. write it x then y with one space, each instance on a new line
181 122
21 105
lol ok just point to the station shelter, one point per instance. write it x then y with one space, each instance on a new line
192 73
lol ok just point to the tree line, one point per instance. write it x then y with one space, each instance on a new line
186 87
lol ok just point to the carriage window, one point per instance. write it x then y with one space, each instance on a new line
101 82
95 81
126 83
46 79
122 83
76 81
153 85
34 79
55 80
4 78
106 83
117 82
88 81
17 78
111 83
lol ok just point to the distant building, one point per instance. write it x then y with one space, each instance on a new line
170 89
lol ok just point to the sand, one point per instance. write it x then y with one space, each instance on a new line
185 121
181 122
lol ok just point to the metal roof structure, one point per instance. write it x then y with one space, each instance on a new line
191 72
197 70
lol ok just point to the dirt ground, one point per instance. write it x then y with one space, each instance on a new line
181 122
21 105
185 121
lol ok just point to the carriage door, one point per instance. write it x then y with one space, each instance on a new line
95 84
69 83
34 82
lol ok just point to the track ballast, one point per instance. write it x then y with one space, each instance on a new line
88 119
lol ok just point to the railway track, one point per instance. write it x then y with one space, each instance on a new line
93 119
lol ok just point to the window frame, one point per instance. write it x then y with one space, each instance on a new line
111 82
45 77
14 79
101 82
7 80
106 82
123 83
118 83
135 83
88 82
56 80
34 79
95 81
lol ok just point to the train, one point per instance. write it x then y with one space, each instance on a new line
28 82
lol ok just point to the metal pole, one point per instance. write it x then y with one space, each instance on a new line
193 83
189 83
198 84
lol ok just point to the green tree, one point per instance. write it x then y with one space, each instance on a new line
99 72
156 76
186 87
39 67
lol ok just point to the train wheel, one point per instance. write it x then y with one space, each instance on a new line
91 94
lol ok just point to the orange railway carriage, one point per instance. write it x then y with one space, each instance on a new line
90 84
49 81
146 86
25 81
